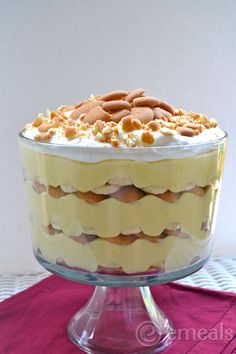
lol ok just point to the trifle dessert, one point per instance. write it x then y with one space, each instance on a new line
122 183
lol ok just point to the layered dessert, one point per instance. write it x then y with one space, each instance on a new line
122 183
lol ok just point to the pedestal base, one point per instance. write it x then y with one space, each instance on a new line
121 320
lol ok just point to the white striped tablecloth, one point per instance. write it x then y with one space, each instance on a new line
217 274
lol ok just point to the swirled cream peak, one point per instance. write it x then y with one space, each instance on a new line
121 118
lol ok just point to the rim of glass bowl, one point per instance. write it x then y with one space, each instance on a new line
125 149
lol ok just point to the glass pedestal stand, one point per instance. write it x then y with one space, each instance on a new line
121 316
120 320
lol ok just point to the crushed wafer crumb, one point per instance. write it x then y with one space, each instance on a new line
117 114
167 131
115 143
127 124
154 125
137 125
37 122
147 138
70 132
43 128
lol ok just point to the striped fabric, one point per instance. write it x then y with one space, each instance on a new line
218 274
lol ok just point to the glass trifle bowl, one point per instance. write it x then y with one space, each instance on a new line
122 193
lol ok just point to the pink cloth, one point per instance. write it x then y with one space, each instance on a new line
35 320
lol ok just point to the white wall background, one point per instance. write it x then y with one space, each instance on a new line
58 51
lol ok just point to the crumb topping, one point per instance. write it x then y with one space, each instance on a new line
114 117
147 138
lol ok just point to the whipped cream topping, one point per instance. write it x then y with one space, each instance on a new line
160 139
122 125
92 151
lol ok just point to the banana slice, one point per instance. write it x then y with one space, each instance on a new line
67 188
107 189
189 187
131 230
173 226
56 226
161 190
154 190
120 181
88 232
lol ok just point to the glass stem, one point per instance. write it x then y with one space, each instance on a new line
120 318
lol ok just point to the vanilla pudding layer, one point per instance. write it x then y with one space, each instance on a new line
174 174
71 215
169 254
112 217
